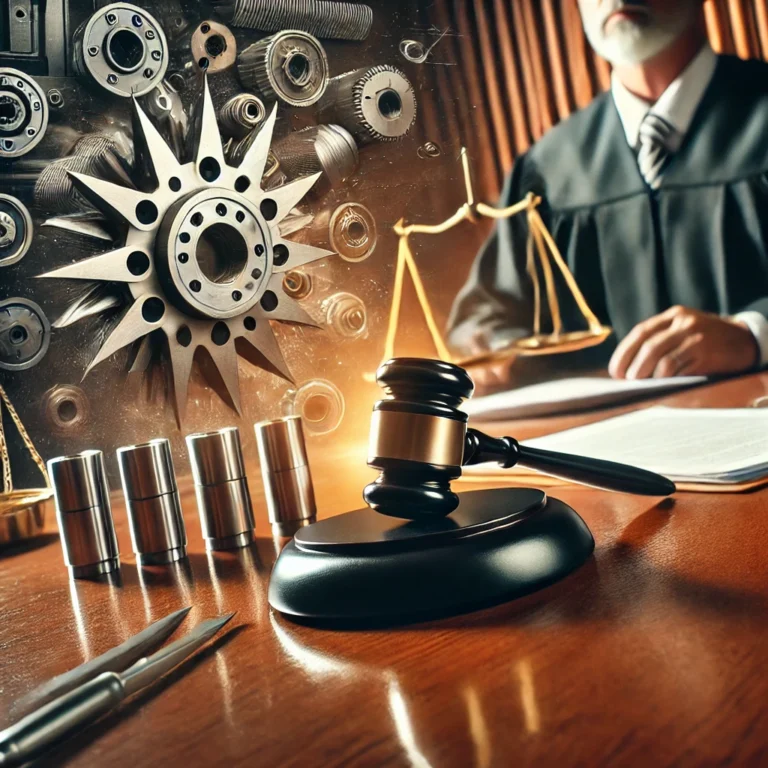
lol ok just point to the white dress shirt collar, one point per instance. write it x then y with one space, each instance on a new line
677 104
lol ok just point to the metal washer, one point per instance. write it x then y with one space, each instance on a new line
352 232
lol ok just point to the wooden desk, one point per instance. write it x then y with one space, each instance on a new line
654 653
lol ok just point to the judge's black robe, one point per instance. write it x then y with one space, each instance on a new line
700 241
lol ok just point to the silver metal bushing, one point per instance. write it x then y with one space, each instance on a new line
152 503
84 514
226 515
287 478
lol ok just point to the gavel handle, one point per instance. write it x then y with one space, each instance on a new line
506 451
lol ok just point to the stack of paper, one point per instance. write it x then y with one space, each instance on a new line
688 445
565 395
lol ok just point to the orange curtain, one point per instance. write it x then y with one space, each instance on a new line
526 64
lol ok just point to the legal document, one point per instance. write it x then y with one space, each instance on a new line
688 445
574 394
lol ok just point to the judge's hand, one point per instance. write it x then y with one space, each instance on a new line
487 376
684 342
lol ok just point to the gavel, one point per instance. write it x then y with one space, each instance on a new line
420 441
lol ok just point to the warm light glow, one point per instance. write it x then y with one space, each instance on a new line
478 728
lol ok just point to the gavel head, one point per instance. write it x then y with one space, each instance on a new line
417 438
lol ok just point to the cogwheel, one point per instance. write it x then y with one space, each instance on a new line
203 256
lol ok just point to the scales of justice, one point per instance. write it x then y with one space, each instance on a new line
542 251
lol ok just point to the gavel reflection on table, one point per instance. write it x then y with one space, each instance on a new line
420 550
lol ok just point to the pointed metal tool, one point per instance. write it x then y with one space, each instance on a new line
36 732
113 660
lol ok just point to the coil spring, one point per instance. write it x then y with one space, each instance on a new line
241 114
339 21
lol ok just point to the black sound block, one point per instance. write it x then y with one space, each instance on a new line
366 567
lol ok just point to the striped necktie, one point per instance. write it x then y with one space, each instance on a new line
659 139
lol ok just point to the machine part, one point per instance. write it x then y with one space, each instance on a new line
84 514
66 409
347 315
23 113
429 151
25 334
329 149
213 47
203 256
88 224
98 299
287 478
273 176
96 155
298 285
221 487
295 222
319 403
55 99
416 52
352 232
152 502
241 114
15 230
375 104
23 514
165 105
334 20
22 44
290 66
123 48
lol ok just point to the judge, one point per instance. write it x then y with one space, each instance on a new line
657 197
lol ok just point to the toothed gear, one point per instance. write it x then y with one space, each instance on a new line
203 257
375 104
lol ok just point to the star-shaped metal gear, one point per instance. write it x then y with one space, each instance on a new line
203 256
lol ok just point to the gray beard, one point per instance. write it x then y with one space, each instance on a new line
629 44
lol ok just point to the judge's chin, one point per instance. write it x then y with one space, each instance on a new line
685 342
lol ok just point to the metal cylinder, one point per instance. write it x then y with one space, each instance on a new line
152 503
290 66
226 515
373 104
287 478
84 514
329 149
335 20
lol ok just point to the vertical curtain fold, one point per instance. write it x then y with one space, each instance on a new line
525 64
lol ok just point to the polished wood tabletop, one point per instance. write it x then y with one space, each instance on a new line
653 653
